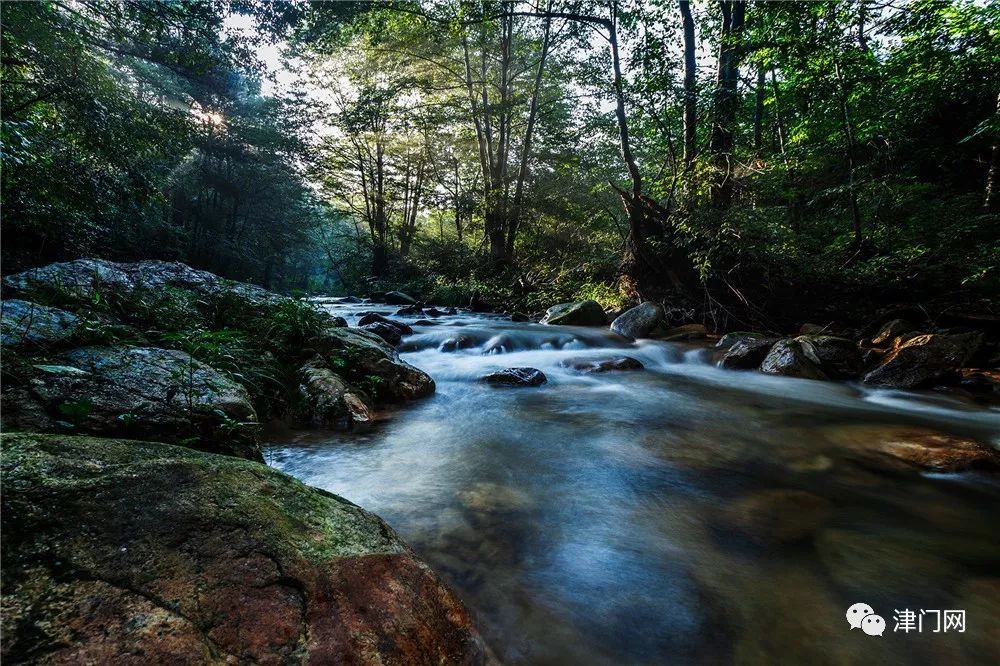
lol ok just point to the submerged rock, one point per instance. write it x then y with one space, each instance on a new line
580 313
914 449
779 515
747 353
639 321
590 365
923 359
516 377
24 323
788 358
159 394
121 551
327 400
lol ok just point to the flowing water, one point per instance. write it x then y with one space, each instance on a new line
678 514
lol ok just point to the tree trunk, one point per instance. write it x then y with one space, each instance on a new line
726 101
690 93
990 200
851 159
522 174
758 111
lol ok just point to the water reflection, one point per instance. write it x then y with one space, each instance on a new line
676 514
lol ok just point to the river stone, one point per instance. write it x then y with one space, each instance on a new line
516 377
924 359
399 298
28 324
890 331
788 358
128 552
730 339
456 343
591 365
747 353
375 318
388 333
779 515
410 311
679 333
159 394
327 400
579 313
639 321
838 358
366 361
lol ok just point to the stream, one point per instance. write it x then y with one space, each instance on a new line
677 514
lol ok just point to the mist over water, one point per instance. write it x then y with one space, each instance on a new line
676 514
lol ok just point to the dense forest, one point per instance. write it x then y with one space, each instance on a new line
740 160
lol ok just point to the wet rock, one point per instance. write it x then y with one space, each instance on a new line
730 339
399 298
146 392
789 359
519 316
580 313
890 331
375 318
385 331
410 311
837 358
337 322
638 321
367 362
914 449
499 344
747 354
327 400
924 359
779 515
26 324
456 343
680 333
591 365
434 312
516 377
122 551
981 380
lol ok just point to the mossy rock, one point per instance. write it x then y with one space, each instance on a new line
129 552
580 313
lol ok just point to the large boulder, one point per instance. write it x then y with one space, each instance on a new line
399 298
639 321
579 313
145 392
838 358
923 359
127 552
367 362
376 318
515 377
747 353
27 324
789 358
327 400
86 280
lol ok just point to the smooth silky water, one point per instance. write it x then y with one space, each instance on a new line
678 514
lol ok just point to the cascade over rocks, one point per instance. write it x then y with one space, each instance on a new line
133 552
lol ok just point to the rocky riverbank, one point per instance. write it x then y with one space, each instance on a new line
126 551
